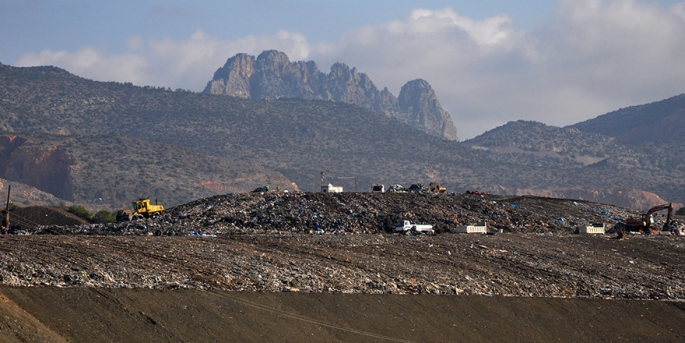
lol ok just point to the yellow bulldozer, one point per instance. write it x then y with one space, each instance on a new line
142 208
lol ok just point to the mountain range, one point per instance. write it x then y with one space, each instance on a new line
272 76
103 144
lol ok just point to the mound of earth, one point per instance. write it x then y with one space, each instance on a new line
28 218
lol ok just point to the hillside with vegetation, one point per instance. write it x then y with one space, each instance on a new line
122 140
582 160
108 171
659 121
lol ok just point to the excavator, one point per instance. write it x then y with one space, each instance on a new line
645 223
141 208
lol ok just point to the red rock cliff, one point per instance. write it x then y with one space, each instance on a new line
44 167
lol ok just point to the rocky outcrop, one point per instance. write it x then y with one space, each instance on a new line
25 195
45 168
418 100
237 77
271 76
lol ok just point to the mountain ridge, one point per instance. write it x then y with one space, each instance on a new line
299 139
662 120
272 75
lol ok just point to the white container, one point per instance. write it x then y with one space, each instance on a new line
594 229
477 228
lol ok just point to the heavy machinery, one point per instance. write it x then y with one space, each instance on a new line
406 226
647 220
436 187
141 208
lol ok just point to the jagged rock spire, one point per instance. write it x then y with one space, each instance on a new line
272 76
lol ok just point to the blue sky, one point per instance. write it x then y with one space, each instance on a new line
39 24
557 62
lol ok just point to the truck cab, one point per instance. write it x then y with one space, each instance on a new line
406 226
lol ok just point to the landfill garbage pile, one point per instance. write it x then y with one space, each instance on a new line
529 265
352 213
318 242
397 189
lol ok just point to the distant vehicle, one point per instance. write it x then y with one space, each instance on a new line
378 188
594 228
436 187
397 189
407 227
473 228
331 189
647 220
141 208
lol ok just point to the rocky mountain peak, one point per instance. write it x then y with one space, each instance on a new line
272 76
273 60
339 69
273 55
236 74
417 99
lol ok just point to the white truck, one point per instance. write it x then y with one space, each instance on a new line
407 227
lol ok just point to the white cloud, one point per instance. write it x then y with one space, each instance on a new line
187 64
91 63
679 10
594 56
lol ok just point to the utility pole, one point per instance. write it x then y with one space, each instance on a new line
7 210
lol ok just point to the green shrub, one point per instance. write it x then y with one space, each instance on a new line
80 211
104 216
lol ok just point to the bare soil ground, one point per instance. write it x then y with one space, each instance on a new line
139 315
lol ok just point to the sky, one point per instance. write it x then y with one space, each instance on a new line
489 61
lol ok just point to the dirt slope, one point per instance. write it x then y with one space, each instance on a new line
17 325
126 315
32 216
